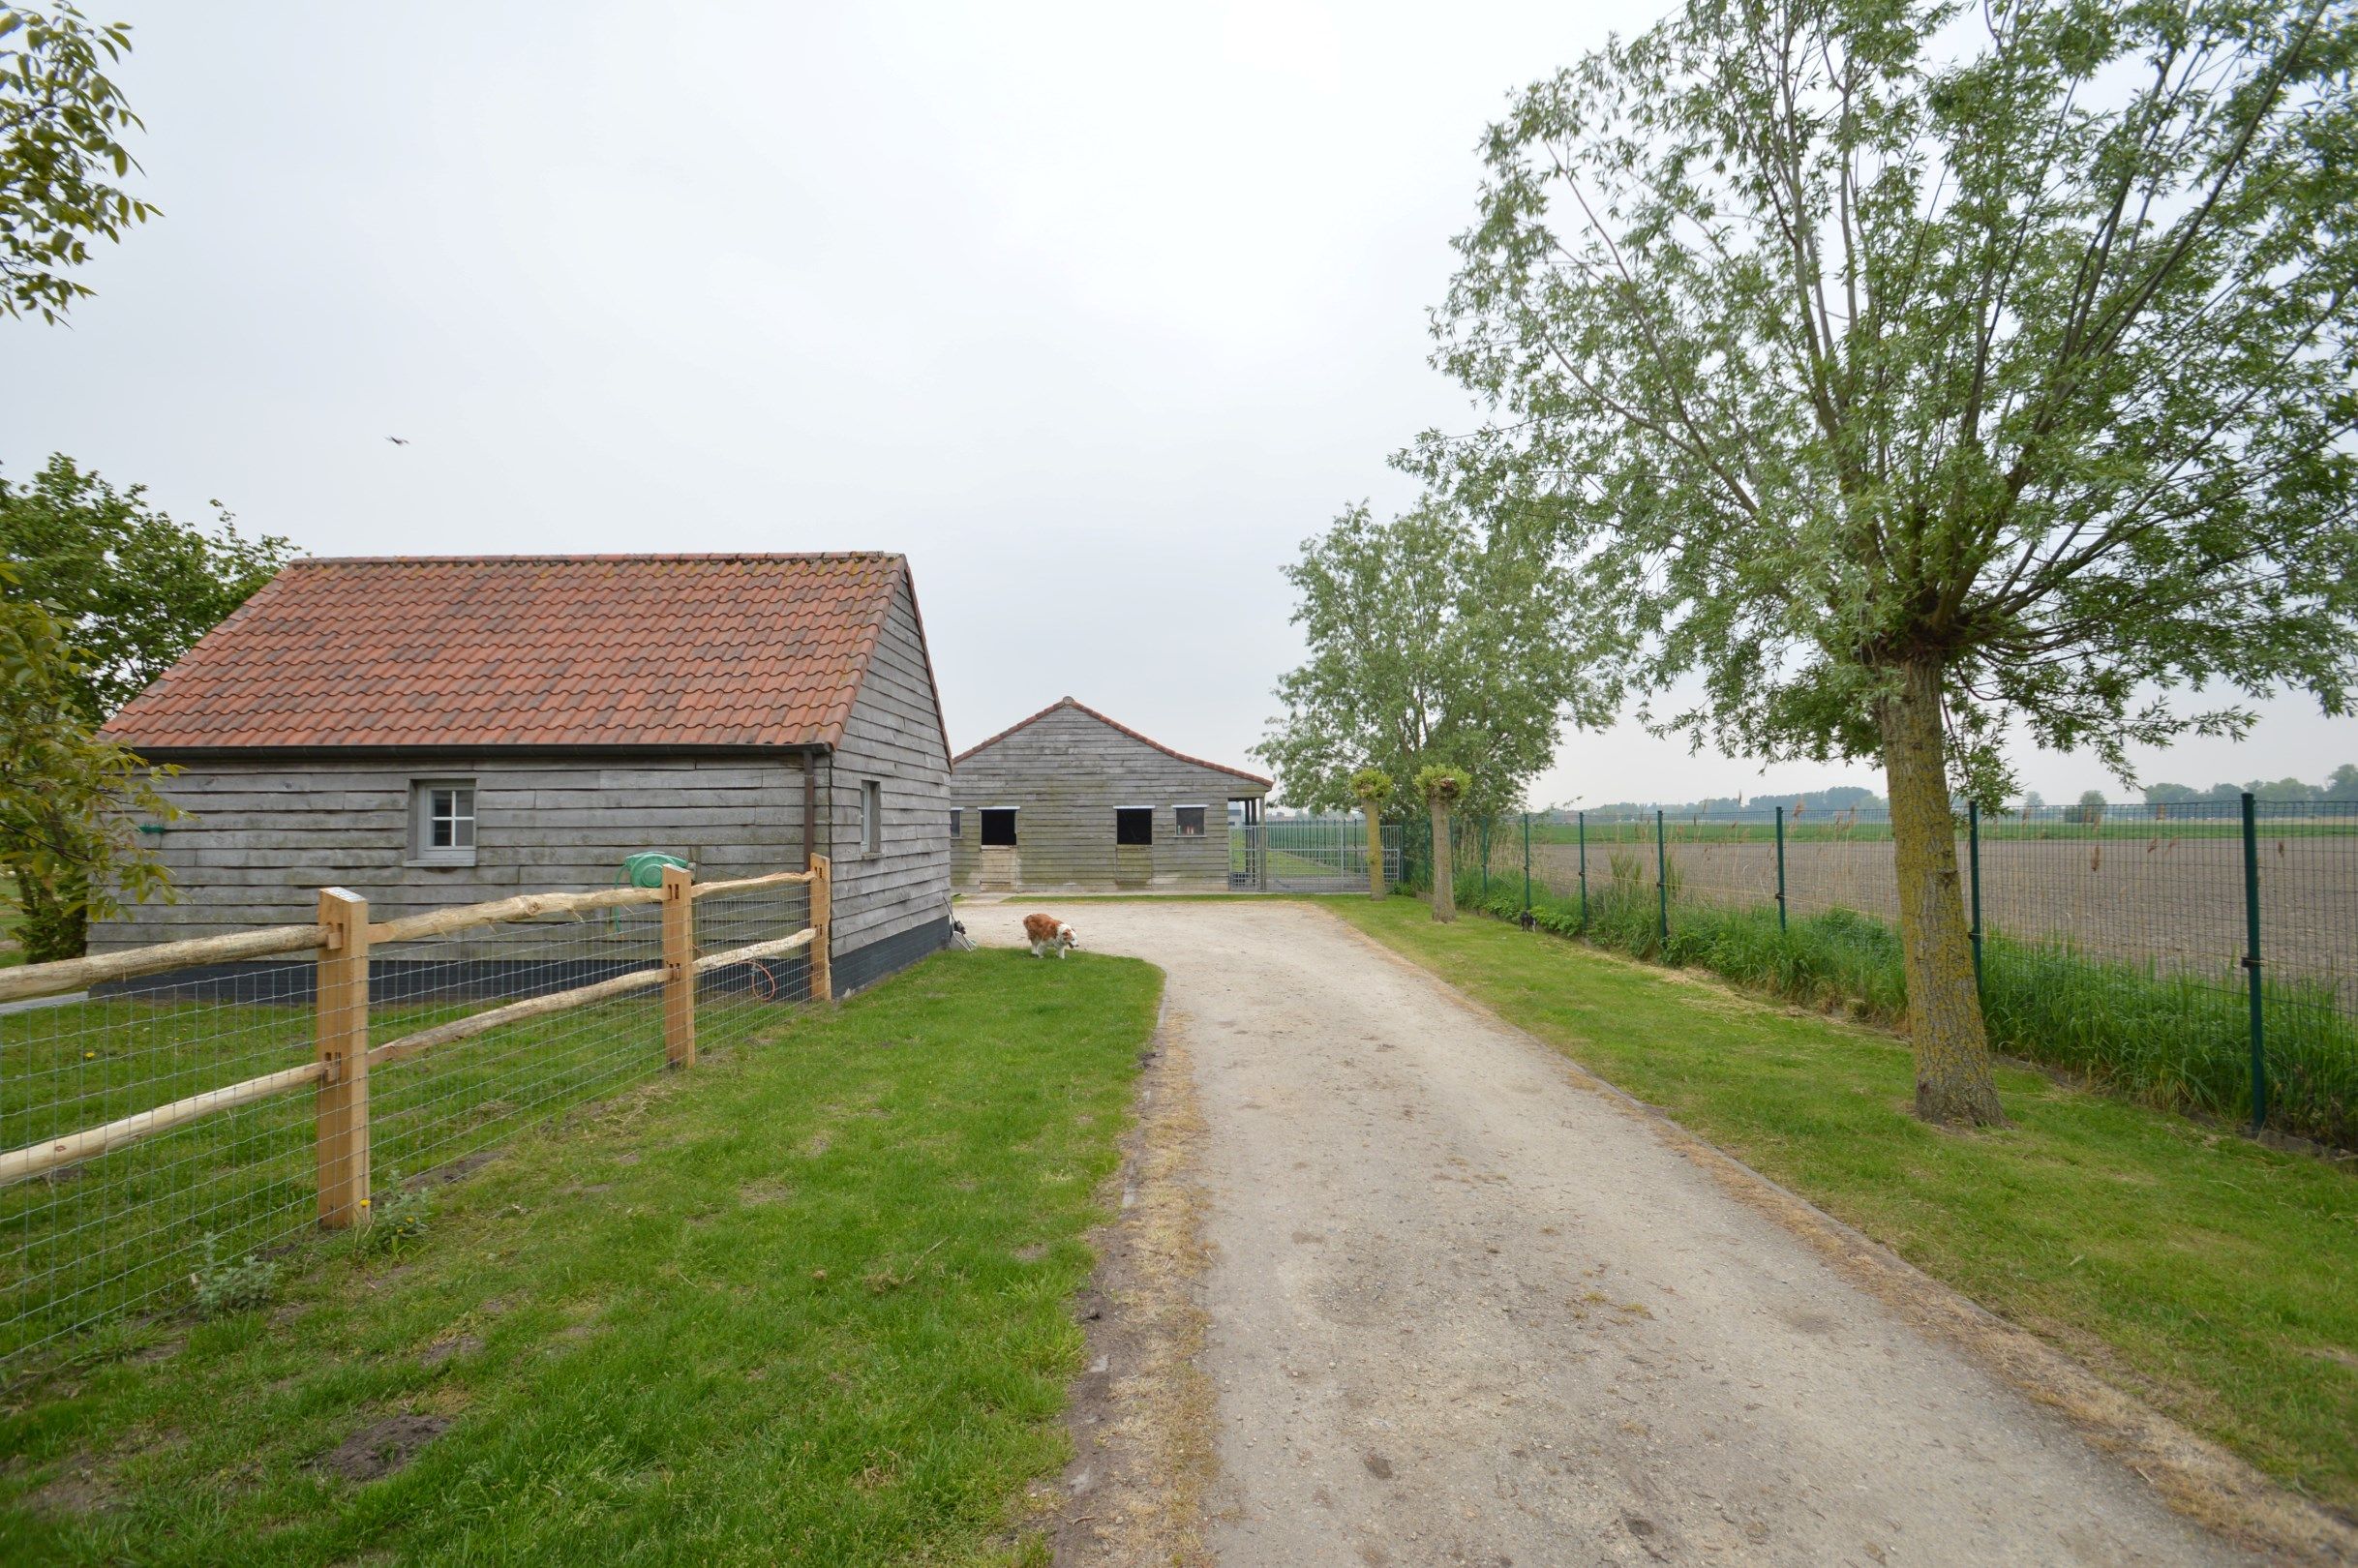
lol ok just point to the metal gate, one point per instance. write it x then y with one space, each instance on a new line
1316 854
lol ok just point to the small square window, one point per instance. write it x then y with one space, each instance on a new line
1133 825
871 816
1190 821
957 820
999 826
442 821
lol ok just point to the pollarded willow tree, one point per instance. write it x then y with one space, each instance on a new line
1903 374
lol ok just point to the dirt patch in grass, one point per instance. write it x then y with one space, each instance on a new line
78 1489
382 1446
441 1350
454 1170
1142 1413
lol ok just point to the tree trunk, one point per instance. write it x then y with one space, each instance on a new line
1374 849
1953 1086
1445 878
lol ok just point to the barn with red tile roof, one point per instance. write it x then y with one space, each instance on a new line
437 730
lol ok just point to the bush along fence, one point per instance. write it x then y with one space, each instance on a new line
197 1102
2206 962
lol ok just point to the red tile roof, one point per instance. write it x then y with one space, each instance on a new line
1111 724
531 650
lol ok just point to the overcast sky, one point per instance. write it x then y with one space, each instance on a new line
1095 310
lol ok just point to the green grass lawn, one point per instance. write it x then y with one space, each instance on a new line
809 1302
2215 1278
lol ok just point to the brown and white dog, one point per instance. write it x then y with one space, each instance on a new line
1045 931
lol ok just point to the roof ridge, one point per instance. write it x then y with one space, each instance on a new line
1080 706
464 559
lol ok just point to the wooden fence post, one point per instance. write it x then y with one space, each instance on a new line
822 926
678 967
342 1042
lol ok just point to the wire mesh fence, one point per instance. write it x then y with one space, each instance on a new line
2203 957
735 1002
447 1106
158 1124
91 1239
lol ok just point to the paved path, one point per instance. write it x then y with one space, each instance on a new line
1463 1311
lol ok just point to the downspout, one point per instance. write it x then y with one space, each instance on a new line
810 807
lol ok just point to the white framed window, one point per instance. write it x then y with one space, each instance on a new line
871 816
957 818
1188 821
442 821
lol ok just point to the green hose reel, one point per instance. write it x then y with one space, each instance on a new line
644 869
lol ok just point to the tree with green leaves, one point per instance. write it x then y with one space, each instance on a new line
69 799
62 124
135 589
123 590
1899 374
1428 643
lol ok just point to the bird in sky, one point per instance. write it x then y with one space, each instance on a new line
397 441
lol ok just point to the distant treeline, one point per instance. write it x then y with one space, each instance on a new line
2342 785
2175 800
1809 803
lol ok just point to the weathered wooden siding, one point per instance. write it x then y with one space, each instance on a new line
1065 773
895 738
264 836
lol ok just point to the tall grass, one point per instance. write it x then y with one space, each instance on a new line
2172 1038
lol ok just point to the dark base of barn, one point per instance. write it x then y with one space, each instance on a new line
863 967
399 982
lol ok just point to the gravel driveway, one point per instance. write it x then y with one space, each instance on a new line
1463 1310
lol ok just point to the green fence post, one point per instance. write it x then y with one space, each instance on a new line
1482 835
2252 965
1661 889
1581 829
1526 868
1972 880
1780 868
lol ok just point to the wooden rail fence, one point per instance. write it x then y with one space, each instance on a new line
341 941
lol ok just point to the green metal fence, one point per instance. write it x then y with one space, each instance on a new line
1304 853
2203 955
